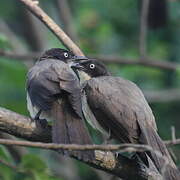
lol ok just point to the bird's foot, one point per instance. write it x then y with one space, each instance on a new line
40 122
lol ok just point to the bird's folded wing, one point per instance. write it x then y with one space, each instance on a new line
69 83
119 104
48 79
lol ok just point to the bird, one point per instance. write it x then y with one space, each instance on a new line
121 111
54 94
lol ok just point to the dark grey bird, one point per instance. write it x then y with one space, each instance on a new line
54 93
120 110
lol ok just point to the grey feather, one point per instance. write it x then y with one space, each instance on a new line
120 107
54 88
48 79
119 103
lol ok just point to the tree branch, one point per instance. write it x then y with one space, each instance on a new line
160 64
148 62
72 147
162 96
15 168
23 127
58 32
18 56
152 96
16 152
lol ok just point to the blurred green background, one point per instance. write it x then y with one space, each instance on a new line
99 27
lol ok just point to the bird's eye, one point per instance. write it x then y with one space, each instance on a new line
66 54
92 66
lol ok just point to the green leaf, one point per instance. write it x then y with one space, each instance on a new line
33 162
178 70
4 153
44 176
4 41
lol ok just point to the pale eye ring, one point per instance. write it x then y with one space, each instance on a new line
66 54
92 66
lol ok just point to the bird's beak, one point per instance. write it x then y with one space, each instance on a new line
78 58
76 65
76 61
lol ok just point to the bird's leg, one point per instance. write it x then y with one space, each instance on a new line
42 122
36 118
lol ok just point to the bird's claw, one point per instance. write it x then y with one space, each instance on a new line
40 122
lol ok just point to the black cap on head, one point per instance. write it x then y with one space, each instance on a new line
57 53
60 54
92 67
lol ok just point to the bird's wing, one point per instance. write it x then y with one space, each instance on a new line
53 87
42 91
120 107
68 82
48 79
119 104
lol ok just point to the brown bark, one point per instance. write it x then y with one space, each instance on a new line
23 127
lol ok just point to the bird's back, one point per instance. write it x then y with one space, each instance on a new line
121 101
120 107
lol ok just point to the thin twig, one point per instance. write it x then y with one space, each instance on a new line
15 151
58 32
172 143
18 56
121 148
7 164
161 64
162 96
148 62
110 147
143 29
10 166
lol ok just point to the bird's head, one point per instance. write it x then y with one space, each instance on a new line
60 54
92 67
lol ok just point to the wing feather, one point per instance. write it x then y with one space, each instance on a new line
48 79
118 104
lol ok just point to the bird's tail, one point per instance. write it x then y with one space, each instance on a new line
68 128
151 138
